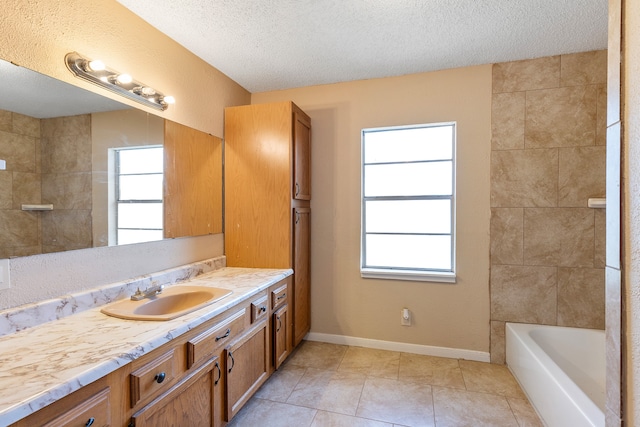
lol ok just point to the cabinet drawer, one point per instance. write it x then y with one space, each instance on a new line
279 296
95 411
153 377
259 309
204 345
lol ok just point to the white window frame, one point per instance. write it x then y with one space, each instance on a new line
402 273
116 188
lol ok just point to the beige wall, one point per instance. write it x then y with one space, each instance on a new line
445 315
631 190
37 35
548 159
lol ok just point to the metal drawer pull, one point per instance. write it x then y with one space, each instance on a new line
279 297
263 309
225 335
233 361
90 422
279 324
297 188
217 366
160 377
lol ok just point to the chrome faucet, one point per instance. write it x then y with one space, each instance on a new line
147 293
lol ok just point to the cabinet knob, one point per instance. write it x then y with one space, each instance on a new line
90 422
263 308
160 377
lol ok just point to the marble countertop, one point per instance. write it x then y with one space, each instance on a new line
44 363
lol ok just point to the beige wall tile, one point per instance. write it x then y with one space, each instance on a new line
562 237
524 75
507 235
26 189
507 121
600 217
6 190
67 190
601 118
18 151
66 229
498 342
524 294
581 175
5 121
581 297
524 178
25 125
19 228
562 117
583 68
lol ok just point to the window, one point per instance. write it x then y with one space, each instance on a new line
408 202
138 194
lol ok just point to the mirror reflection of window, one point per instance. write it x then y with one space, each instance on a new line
138 190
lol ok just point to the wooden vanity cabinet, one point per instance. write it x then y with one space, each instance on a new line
281 322
267 197
91 405
247 367
191 402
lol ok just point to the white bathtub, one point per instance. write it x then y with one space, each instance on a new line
562 371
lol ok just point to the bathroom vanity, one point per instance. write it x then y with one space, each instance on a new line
198 369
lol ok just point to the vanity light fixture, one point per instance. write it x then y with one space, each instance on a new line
98 73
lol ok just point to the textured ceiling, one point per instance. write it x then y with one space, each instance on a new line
277 44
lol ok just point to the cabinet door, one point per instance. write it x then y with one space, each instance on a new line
302 157
302 273
93 411
188 403
247 368
281 336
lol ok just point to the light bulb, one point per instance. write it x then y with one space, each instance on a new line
124 78
96 65
169 99
148 91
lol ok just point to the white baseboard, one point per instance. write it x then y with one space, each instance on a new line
454 353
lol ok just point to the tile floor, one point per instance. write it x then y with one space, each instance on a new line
329 385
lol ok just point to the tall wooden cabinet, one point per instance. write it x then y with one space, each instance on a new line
267 197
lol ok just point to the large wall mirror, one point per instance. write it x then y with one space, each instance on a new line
81 170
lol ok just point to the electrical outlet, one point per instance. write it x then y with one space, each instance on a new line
405 317
5 283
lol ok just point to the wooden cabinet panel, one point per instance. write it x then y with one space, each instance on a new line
281 336
302 274
259 309
188 403
95 411
279 295
204 345
301 157
247 368
193 182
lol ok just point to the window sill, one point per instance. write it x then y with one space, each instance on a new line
413 275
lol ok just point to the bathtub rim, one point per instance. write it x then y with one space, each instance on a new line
561 389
